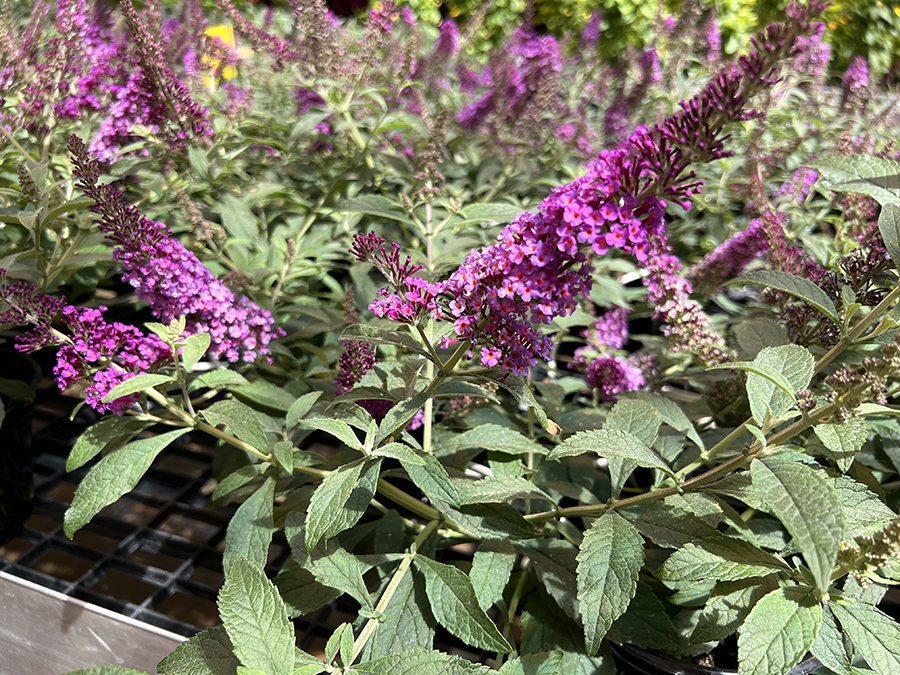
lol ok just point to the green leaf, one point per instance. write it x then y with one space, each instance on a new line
265 395
808 506
728 606
218 378
495 212
237 219
611 443
795 363
256 620
455 606
874 634
609 559
340 500
844 440
375 205
635 417
778 632
544 663
721 558
113 476
489 521
864 512
889 226
301 591
407 622
207 653
339 569
757 333
194 348
250 529
340 430
793 285
521 391
862 174
241 420
669 412
137 383
492 566
420 662
829 647
555 564
497 489
646 624
428 474
103 435
492 438
379 335
762 370
299 408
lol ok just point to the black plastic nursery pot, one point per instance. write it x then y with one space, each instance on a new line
633 661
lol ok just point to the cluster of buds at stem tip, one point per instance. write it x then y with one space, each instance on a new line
869 553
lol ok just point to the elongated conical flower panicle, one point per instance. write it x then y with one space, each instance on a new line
169 277
22 304
540 265
282 52
180 117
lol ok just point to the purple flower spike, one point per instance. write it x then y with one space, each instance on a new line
169 277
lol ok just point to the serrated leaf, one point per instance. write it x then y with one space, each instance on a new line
721 558
101 436
137 384
429 475
340 430
492 438
492 566
889 226
862 174
207 653
420 662
778 632
874 634
194 348
521 391
301 591
761 370
808 506
113 476
795 363
609 559
864 512
844 440
496 212
635 417
219 378
456 388
646 624
489 521
256 620
407 622
339 569
791 284
543 663
829 646
728 606
455 606
250 528
556 565
300 408
611 443
757 333
670 413
241 420
497 489
330 509
264 394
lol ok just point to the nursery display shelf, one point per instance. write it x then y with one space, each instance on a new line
155 555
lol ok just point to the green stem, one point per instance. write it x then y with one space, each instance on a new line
393 585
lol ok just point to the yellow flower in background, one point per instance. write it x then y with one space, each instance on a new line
225 33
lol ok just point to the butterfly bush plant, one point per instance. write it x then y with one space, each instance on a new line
518 352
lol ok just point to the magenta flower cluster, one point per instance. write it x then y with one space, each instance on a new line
607 372
611 376
169 277
729 259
